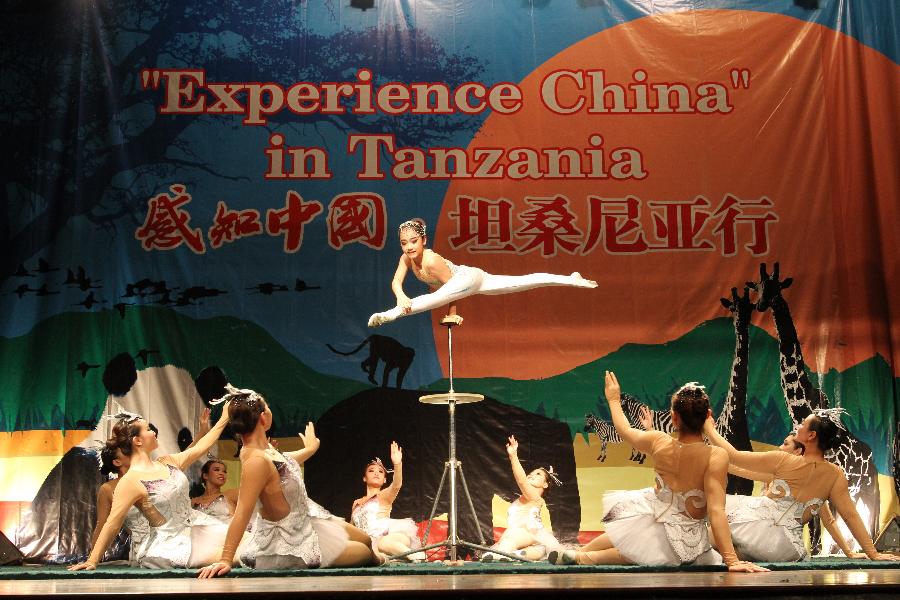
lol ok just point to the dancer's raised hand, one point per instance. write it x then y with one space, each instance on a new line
646 419
309 439
396 454
512 446
613 391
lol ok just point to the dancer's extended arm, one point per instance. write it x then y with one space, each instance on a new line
641 441
184 459
403 300
758 462
829 522
389 494
126 494
840 497
310 445
512 449
714 489
104 505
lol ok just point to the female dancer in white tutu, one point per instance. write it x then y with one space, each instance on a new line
287 534
525 534
214 502
450 282
160 490
372 512
115 464
667 525
770 527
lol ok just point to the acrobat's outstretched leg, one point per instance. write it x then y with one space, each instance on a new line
469 281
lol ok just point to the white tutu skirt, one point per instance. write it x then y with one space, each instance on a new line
407 527
756 537
207 539
332 540
632 526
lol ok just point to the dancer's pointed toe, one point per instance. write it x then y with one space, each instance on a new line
377 320
588 283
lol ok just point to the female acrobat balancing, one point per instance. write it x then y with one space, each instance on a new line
450 282
159 488
770 527
372 512
525 534
286 534
666 525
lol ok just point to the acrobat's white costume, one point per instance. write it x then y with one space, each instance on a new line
468 281
371 518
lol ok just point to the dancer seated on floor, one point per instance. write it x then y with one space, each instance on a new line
450 282
525 534
666 525
115 464
214 502
372 512
770 527
159 488
286 535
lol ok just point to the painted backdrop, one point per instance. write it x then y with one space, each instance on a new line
219 184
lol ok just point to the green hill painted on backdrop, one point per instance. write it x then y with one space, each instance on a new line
42 389
652 372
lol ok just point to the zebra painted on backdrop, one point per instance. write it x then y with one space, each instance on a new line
607 435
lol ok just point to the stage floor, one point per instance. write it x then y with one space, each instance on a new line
456 583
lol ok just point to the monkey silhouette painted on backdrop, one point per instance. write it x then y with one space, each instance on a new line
394 354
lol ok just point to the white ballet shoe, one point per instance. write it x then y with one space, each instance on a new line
417 557
378 319
588 283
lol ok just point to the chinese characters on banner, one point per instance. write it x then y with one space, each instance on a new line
615 225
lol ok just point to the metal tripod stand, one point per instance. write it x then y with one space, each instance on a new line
454 468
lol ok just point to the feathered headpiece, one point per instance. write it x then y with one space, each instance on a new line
233 393
552 475
833 415
377 461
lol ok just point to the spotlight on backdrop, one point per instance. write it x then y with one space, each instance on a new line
362 4
807 4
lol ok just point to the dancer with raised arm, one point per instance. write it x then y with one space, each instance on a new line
525 534
159 488
450 282
372 512
287 533
666 525
770 527
115 464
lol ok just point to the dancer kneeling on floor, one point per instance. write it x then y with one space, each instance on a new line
450 282
372 512
525 534
287 534
770 527
666 525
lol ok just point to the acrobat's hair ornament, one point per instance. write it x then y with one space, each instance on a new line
233 393
691 386
553 476
417 225
832 414
377 461
124 415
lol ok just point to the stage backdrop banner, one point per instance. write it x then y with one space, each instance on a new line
211 191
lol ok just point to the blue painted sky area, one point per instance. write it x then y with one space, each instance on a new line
508 39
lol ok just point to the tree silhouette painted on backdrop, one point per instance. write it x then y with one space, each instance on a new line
84 139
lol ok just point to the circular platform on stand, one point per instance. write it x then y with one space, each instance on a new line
446 398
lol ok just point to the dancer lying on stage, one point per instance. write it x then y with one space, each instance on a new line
160 490
525 534
372 512
286 535
770 527
450 282
666 525
214 501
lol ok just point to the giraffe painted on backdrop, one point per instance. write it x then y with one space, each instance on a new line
801 398
732 421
